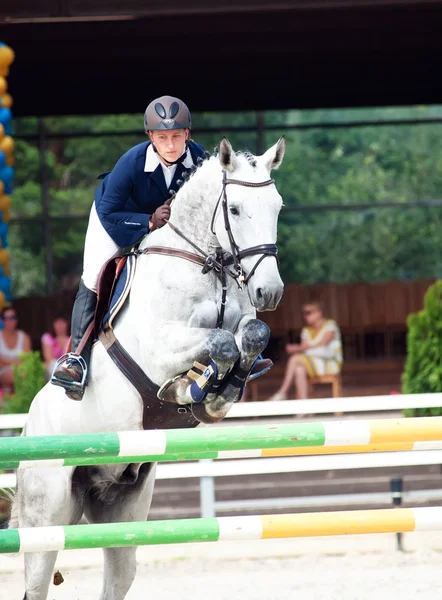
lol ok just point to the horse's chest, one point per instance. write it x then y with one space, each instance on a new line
206 312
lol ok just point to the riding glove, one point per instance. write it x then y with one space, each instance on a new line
160 217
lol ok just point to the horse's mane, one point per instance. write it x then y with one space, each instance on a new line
188 198
187 175
202 161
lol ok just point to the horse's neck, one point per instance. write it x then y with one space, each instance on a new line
191 213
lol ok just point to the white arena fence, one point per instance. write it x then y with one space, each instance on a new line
355 404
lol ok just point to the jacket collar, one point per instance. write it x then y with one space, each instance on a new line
153 161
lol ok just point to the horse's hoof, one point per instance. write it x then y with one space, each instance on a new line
200 413
175 389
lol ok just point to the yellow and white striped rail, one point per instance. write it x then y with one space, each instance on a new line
42 539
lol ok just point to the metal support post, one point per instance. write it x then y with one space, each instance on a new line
207 495
397 486
44 182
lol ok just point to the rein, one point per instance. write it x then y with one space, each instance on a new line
220 262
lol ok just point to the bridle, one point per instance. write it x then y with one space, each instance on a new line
235 253
220 262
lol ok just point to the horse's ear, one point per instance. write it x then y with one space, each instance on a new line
227 157
274 155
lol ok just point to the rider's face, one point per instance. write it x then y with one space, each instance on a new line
170 144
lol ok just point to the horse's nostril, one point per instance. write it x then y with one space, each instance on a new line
259 294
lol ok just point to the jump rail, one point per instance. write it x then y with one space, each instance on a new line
399 447
114 535
142 446
301 407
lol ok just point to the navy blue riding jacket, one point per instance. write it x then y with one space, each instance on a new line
128 196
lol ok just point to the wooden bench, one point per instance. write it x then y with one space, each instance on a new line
334 380
359 378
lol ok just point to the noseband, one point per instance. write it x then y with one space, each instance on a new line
220 262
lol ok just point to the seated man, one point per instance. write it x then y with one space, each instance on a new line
319 353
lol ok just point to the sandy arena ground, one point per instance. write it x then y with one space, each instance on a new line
353 577
353 568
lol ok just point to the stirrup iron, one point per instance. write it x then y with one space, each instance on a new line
71 386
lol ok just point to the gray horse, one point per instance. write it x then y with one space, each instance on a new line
169 322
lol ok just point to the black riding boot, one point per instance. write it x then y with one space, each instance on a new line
70 371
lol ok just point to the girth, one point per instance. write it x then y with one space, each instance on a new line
156 413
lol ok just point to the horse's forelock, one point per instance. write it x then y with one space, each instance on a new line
251 158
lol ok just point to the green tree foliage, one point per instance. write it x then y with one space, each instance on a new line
367 165
423 367
29 378
323 166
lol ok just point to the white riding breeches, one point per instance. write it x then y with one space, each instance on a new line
99 247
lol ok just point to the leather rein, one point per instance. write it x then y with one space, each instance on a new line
220 262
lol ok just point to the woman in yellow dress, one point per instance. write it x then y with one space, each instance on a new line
319 353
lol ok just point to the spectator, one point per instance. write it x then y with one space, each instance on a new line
13 342
319 353
54 344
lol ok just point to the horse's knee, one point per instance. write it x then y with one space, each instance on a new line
255 337
222 347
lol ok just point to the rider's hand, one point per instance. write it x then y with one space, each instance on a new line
160 216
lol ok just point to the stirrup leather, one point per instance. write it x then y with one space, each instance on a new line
73 386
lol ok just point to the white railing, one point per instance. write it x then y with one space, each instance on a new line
302 407
332 405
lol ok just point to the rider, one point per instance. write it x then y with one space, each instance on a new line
131 201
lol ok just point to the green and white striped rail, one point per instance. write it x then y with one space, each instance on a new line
215 442
114 535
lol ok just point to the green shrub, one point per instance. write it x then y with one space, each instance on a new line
29 378
423 367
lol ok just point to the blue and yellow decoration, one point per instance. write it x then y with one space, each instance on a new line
6 171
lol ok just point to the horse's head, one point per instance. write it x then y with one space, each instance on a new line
251 212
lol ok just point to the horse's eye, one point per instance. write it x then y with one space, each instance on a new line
234 211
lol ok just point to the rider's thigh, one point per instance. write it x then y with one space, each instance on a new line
99 247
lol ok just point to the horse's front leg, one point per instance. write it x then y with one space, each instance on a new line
252 337
178 347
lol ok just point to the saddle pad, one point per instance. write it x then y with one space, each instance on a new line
121 290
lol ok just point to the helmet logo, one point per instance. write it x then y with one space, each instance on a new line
160 110
174 110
